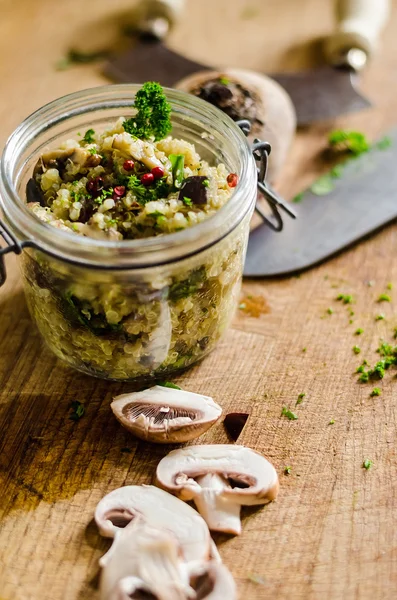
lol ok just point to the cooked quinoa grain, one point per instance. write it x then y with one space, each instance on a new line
87 186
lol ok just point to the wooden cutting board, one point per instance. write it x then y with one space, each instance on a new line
331 534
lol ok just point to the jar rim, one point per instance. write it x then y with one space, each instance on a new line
121 253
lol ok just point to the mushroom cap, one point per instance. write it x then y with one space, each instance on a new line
251 478
158 509
166 415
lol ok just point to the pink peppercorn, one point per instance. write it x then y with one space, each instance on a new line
232 180
147 179
128 165
119 190
158 172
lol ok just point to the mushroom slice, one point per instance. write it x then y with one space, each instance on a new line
166 415
220 479
158 509
152 557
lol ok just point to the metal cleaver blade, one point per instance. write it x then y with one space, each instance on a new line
323 93
151 60
363 200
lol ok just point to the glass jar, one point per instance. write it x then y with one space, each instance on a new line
132 309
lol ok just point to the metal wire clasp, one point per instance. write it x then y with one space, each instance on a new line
261 151
12 245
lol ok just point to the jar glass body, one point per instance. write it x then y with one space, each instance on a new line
140 309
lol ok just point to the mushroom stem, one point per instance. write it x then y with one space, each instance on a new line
219 513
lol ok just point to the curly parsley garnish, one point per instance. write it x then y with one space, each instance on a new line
153 117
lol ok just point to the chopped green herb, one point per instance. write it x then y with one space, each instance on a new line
152 119
345 298
378 372
304 349
351 321
169 384
353 142
187 287
379 317
224 80
387 349
187 201
389 286
93 151
336 172
177 163
359 331
330 311
300 398
298 198
376 392
89 136
206 182
361 368
143 194
103 196
367 464
395 332
384 143
332 421
242 306
323 186
287 470
384 298
351 313
356 349
78 410
289 414
364 377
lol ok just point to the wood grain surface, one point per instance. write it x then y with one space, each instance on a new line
331 534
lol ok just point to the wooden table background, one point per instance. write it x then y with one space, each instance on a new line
331 534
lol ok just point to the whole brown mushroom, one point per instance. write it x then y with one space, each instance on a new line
244 94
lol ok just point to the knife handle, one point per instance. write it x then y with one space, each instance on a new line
360 23
156 17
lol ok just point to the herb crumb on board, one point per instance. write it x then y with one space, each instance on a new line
77 410
367 464
285 412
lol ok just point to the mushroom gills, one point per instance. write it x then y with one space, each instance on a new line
165 415
219 478
159 415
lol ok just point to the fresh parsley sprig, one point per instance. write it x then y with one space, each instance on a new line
153 117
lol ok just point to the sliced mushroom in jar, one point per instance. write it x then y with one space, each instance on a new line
220 479
166 415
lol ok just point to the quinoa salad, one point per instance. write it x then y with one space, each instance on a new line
132 180
113 185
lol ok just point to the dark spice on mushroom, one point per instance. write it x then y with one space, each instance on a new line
232 98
